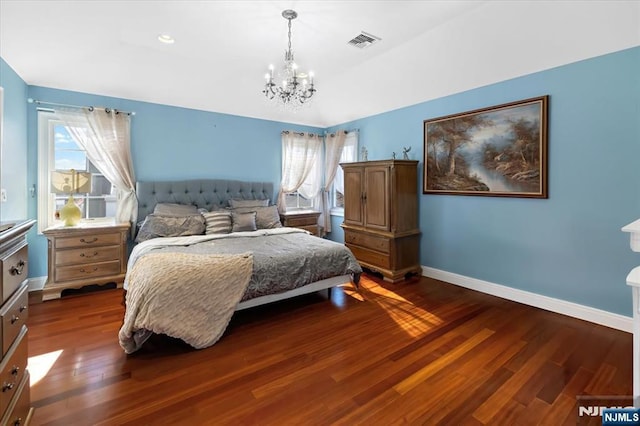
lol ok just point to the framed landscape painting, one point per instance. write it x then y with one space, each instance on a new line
499 151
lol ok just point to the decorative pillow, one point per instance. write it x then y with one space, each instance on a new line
171 209
235 203
243 221
170 226
218 222
266 217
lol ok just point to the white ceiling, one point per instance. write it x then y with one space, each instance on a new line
429 49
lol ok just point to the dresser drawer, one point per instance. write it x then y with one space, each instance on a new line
15 269
19 412
12 369
90 270
92 240
371 257
368 241
13 315
87 255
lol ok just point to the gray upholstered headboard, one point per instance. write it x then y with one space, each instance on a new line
204 193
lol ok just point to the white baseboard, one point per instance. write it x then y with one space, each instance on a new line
37 283
586 313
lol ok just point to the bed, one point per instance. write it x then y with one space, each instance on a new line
188 284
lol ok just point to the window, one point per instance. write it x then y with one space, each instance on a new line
301 156
295 200
349 155
59 151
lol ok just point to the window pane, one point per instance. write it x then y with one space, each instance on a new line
67 154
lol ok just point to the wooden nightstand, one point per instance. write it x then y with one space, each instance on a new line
85 254
303 219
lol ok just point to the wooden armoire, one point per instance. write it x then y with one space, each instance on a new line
381 216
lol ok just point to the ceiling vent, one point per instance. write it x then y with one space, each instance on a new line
363 40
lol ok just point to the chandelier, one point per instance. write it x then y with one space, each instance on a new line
296 88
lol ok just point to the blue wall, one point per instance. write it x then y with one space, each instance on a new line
568 246
13 168
173 143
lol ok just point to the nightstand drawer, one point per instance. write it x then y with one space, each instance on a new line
88 240
14 315
91 270
15 269
87 255
311 228
12 369
299 222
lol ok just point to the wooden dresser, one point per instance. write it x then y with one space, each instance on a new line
15 402
85 254
303 219
381 216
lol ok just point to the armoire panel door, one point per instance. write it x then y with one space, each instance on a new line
376 203
353 201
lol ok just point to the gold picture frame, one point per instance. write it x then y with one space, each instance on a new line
500 151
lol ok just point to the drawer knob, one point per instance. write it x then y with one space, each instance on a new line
15 370
14 319
17 422
7 386
95 253
93 240
22 308
18 269
89 272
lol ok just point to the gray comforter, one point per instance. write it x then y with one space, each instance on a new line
283 258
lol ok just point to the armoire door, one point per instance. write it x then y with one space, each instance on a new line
376 198
353 196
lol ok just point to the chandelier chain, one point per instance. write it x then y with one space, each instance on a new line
289 35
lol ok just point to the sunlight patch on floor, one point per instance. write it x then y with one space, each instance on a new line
413 319
352 292
40 365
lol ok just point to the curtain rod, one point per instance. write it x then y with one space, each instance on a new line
90 108
346 131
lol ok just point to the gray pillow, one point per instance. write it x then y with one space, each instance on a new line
171 209
266 217
170 226
235 203
218 222
243 221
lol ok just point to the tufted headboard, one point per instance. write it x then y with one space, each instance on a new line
203 193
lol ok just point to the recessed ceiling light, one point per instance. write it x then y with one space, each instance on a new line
166 39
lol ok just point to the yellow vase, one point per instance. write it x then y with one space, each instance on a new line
70 213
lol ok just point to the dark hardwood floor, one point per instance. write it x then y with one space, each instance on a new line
418 352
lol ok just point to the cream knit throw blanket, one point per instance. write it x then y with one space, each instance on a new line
188 296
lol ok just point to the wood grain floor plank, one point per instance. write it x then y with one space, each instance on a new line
417 352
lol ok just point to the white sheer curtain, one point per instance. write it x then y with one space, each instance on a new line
349 154
105 136
333 143
301 155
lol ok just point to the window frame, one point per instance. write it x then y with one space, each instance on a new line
47 121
